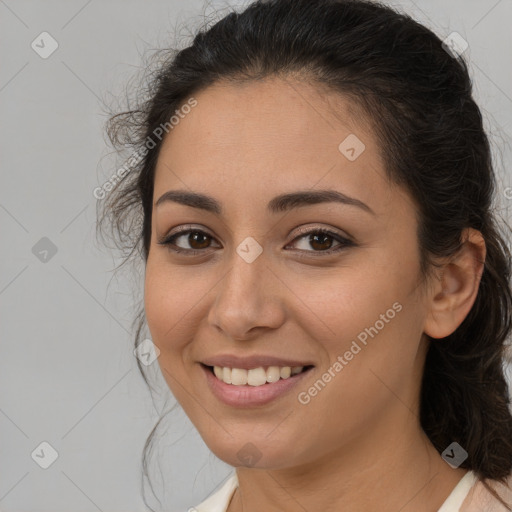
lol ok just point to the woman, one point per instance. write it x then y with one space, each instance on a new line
325 280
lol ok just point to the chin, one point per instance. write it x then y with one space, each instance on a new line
257 453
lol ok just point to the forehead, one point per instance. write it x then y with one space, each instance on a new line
275 134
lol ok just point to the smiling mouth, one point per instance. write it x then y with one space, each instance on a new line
256 376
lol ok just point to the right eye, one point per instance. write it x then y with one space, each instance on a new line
195 236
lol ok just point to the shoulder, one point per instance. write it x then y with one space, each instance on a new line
480 499
219 500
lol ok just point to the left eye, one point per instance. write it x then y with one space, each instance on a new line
319 238
194 235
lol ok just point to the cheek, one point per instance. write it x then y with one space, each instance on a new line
368 311
162 307
163 314
174 302
156 302
343 303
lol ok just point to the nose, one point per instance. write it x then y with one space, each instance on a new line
248 301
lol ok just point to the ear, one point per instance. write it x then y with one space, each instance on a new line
454 293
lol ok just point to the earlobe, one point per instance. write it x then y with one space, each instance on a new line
454 293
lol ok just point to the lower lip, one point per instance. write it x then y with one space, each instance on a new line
250 396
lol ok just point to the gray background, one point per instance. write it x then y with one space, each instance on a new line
68 375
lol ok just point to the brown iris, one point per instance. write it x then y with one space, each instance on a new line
195 236
313 240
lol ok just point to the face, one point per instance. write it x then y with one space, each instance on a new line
258 286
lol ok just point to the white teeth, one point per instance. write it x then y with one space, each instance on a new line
255 376
273 374
238 376
226 375
285 372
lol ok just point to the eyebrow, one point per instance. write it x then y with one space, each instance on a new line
278 204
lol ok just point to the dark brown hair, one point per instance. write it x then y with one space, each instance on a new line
430 130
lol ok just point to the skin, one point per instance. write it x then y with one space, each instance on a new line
357 445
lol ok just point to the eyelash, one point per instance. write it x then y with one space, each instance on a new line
344 242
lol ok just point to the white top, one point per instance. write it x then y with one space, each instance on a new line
459 500
459 493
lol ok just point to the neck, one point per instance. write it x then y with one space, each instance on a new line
385 468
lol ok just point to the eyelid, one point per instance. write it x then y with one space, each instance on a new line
183 228
307 228
344 240
303 229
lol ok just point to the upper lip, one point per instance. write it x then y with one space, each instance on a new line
250 362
